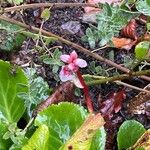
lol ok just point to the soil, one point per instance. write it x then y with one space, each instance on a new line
98 93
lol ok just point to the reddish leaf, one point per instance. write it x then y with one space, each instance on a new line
63 92
113 104
130 30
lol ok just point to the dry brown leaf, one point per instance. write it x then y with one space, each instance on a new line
123 43
143 142
63 92
139 103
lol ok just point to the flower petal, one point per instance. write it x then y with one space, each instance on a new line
73 67
77 82
65 58
80 62
73 55
65 76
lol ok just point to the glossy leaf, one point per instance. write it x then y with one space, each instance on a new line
141 50
11 84
129 132
10 38
63 120
39 140
82 138
143 142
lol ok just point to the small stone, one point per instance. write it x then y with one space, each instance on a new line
71 27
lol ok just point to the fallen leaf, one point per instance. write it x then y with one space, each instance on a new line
113 104
140 103
82 138
123 43
63 92
142 142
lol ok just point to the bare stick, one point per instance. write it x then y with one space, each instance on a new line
101 79
54 5
131 86
74 45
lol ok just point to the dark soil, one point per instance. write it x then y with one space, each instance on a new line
98 93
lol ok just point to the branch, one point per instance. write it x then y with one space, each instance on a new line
76 46
100 79
54 5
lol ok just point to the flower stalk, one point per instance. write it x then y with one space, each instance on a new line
86 92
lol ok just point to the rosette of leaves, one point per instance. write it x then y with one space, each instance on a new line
38 90
58 123
54 62
109 22
10 37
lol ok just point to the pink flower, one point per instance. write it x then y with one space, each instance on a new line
73 61
73 64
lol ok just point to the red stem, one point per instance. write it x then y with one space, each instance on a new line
86 92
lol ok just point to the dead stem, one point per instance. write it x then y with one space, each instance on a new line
74 45
46 5
101 79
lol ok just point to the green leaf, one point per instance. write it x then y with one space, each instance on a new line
143 7
148 2
129 132
39 140
11 79
4 144
141 50
38 90
10 38
82 138
45 14
99 139
63 120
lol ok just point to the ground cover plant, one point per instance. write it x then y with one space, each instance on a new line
74 75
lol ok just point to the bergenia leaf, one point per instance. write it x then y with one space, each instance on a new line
129 132
82 138
39 140
12 82
62 127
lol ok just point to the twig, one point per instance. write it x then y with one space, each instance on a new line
74 45
37 42
118 82
131 86
101 79
54 5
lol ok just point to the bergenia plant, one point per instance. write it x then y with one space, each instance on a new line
71 72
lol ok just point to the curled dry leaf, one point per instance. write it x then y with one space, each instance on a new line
113 104
139 104
123 43
130 30
142 142
63 92
81 139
